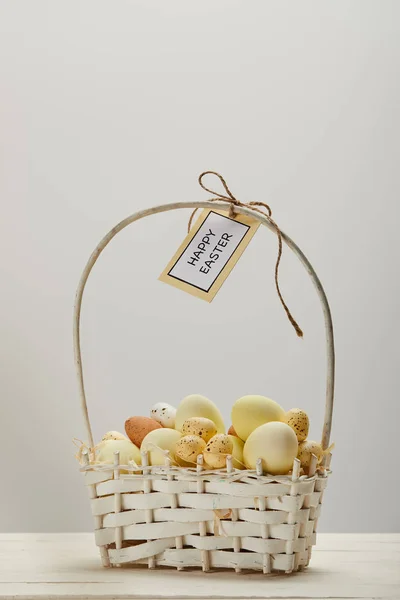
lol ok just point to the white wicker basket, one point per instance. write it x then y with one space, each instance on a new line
182 517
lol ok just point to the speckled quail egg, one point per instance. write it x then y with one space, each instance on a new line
189 447
164 414
217 449
113 435
298 420
306 450
200 426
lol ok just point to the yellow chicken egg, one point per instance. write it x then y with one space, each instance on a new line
249 412
237 452
157 442
198 406
127 452
276 444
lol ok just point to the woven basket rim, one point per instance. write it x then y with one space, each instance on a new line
234 476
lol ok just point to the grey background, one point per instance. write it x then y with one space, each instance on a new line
109 107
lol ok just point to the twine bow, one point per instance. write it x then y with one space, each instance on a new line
261 208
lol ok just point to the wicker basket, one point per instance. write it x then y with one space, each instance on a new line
183 517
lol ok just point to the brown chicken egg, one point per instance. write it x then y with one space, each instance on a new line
138 427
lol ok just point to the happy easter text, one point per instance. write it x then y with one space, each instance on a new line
204 249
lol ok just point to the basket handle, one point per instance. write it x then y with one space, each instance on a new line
330 351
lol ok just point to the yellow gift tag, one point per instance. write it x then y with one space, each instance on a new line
209 252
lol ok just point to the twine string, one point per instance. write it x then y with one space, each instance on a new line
260 207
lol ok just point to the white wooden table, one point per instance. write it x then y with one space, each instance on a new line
66 566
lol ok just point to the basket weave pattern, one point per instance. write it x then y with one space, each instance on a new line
167 516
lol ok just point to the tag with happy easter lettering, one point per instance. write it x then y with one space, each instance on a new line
209 252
